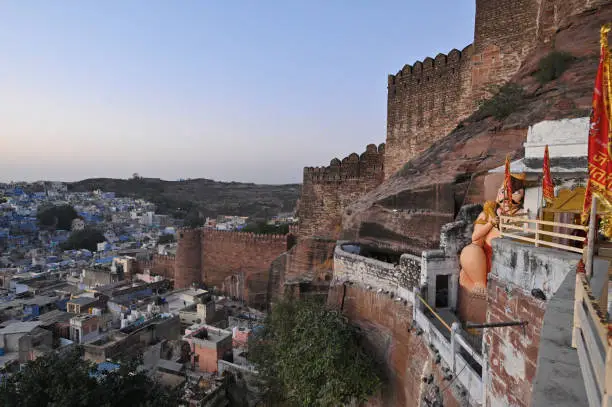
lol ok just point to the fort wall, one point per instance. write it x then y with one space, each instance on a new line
188 258
159 265
244 256
327 191
428 99
425 102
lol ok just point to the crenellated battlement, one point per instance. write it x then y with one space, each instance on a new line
428 99
368 165
243 237
429 67
294 229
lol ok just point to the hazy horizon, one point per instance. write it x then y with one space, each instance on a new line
229 91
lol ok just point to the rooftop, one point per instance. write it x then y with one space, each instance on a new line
20 327
83 300
209 333
55 316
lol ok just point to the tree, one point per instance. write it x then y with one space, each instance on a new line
87 238
67 380
264 228
193 220
165 239
310 356
57 217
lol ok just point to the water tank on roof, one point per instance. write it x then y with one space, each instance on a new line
124 323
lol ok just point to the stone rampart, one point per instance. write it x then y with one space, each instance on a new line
247 256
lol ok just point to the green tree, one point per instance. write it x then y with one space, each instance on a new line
57 217
87 238
310 356
67 380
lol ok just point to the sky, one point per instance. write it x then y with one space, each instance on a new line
249 91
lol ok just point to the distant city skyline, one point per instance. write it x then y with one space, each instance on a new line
230 91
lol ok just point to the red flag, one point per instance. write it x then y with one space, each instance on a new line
600 163
508 182
548 188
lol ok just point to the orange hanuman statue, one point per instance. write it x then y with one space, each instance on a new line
475 258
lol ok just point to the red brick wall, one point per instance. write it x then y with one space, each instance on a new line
512 351
233 253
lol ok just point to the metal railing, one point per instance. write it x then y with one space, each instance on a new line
509 227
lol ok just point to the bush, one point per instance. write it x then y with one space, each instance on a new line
552 66
506 99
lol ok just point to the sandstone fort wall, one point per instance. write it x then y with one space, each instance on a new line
327 191
246 256
430 98
425 102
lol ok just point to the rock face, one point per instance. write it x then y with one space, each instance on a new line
407 210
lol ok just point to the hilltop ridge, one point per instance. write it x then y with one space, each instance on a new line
208 197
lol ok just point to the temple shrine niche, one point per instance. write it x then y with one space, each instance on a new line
476 258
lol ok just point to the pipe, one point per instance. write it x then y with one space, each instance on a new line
497 324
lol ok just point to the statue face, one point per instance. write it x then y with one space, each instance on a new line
507 207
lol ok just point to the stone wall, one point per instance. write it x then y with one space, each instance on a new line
188 266
396 280
159 265
425 102
247 256
310 259
428 99
512 352
327 191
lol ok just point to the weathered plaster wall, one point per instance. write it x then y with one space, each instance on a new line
528 267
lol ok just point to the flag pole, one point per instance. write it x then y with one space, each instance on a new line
588 264
540 214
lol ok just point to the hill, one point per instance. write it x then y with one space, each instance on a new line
210 198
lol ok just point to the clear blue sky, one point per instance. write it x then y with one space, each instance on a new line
230 90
